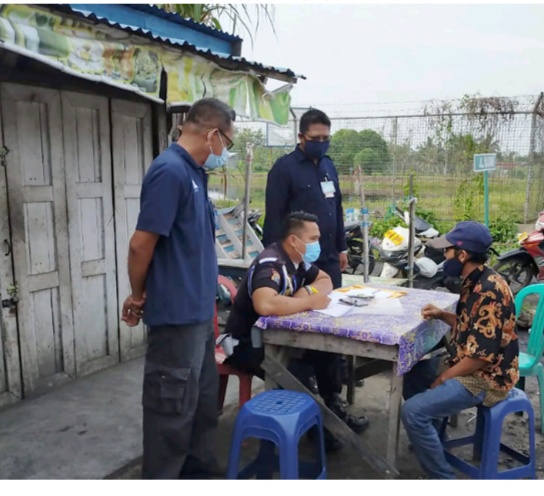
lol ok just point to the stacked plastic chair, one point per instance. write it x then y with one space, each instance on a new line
487 444
529 361
279 418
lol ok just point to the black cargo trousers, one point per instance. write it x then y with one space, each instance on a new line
329 368
180 411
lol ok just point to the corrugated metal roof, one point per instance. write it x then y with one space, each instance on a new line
176 18
229 62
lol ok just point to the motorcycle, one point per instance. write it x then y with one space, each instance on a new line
253 220
424 231
519 266
428 263
354 238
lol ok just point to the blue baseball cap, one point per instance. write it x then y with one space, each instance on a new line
468 235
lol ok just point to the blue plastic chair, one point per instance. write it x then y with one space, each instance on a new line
279 418
487 444
529 362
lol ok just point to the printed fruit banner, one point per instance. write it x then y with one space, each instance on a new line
80 49
191 78
109 56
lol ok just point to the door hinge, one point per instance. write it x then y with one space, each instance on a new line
9 303
13 293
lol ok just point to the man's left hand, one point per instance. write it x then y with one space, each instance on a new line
133 310
343 261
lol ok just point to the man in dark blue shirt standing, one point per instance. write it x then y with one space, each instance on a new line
306 180
172 268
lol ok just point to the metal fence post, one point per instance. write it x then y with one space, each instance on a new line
530 165
249 162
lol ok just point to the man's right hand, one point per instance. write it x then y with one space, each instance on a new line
132 310
319 301
431 312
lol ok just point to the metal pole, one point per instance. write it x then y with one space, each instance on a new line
249 162
295 125
364 225
531 159
411 240
486 198
394 140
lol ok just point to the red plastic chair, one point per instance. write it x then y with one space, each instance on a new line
226 370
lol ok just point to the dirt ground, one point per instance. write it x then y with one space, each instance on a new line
371 401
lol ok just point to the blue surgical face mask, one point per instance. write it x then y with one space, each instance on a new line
316 149
452 267
216 161
313 250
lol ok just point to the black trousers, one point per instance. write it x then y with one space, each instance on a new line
179 400
326 366
330 361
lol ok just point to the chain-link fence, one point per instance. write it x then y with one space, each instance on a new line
434 142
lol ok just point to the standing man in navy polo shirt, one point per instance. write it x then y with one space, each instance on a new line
173 276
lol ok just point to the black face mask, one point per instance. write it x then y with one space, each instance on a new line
452 267
316 149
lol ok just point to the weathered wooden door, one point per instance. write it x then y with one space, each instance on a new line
132 155
89 193
32 125
10 370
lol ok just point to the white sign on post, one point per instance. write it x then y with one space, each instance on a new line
485 162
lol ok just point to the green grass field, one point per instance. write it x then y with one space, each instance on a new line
435 193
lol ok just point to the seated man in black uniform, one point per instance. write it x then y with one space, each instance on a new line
282 280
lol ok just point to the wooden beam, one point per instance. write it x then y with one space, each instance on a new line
330 343
395 400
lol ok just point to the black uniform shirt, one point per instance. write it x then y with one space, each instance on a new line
271 269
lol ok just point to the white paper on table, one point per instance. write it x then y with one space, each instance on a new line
335 309
379 306
376 293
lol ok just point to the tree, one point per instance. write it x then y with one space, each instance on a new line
241 16
345 144
403 158
368 159
245 136
461 148
380 158
366 148
431 156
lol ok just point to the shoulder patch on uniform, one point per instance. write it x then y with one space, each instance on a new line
275 276
269 259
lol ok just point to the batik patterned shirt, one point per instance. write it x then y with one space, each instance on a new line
486 330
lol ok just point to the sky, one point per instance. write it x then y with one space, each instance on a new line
368 54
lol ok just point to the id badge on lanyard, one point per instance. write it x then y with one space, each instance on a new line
328 188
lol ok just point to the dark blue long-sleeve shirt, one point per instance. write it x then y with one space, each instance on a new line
294 184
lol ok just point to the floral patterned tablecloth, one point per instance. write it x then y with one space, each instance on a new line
413 335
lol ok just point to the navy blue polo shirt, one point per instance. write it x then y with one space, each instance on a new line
181 282
294 184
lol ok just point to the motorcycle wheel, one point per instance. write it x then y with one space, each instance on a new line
517 272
